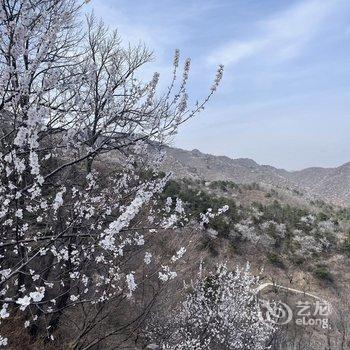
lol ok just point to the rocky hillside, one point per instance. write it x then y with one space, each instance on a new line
328 184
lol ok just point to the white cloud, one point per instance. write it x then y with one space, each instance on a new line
282 36
235 51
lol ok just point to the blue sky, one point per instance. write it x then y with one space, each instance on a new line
285 96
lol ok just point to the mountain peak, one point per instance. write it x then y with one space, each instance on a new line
196 152
246 162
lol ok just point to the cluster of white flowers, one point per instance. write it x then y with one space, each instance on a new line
221 312
166 274
306 244
247 231
148 258
327 227
317 238
206 217
130 280
3 312
3 341
180 253
178 217
34 297
218 77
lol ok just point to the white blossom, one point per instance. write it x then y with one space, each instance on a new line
24 302
130 280
38 295
3 341
179 254
3 312
148 258
166 274
73 298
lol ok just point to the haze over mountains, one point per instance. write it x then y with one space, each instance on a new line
329 184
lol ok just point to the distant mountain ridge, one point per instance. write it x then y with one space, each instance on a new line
329 184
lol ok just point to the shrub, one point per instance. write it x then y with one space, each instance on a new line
208 243
275 260
321 272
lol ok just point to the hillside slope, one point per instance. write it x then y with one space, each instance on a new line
329 184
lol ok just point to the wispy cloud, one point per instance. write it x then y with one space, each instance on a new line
282 36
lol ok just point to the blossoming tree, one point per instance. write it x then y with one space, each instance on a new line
220 311
74 227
